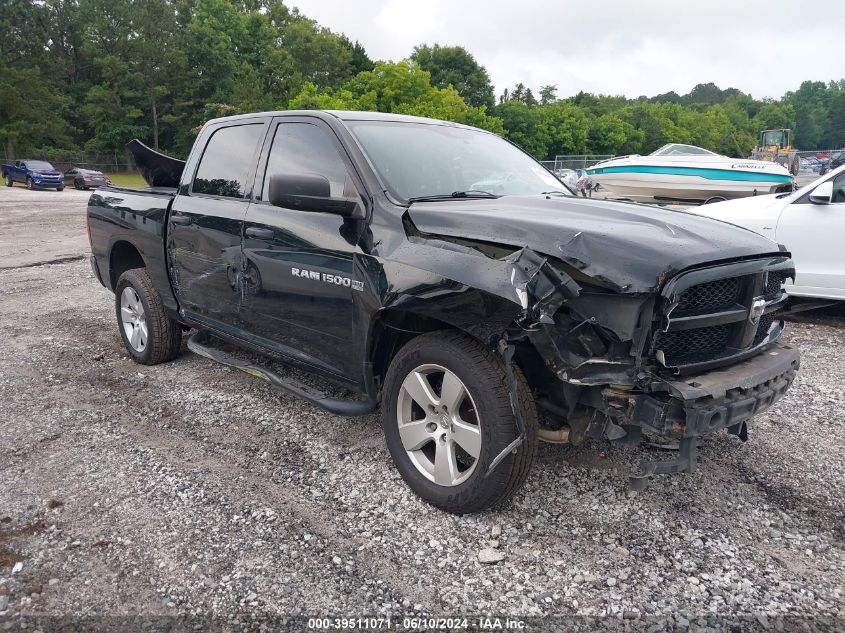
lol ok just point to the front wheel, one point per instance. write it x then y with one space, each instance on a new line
149 334
447 414
29 184
60 188
9 181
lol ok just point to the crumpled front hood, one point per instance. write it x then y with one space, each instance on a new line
629 246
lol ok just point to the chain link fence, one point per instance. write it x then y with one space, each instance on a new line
115 162
574 161
819 161
579 161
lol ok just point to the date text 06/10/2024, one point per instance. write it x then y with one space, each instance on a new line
416 624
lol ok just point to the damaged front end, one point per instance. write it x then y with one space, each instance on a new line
621 322
697 355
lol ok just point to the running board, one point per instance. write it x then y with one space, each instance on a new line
199 344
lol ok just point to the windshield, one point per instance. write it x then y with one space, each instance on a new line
418 159
678 149
774 137
38 164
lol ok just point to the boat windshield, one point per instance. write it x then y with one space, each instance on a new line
679 149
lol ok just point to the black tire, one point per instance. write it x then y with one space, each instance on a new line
164 335
29 184
482 372
9 181
252 279
60 188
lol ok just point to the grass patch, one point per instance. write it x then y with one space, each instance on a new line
125 179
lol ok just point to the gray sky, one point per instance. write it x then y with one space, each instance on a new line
630 47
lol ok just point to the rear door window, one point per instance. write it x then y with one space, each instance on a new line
226 162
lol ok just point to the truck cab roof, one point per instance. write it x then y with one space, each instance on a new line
344 115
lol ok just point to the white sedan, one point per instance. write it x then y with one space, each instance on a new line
810 222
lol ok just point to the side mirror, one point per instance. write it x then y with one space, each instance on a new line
310 192
823 193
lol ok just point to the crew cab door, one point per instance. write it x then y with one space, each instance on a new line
813 233
298 265
206 221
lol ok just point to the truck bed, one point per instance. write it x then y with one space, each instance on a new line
137 217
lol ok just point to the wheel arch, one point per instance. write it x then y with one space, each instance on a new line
123 256
393 327
390 330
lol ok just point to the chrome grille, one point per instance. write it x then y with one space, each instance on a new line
693 346
709 297
774 283
692 333
763 327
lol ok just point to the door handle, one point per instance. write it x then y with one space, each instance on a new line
261 234
180 219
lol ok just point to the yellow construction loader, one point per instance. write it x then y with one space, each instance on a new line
776 146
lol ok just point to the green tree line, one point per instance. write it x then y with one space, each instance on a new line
89 75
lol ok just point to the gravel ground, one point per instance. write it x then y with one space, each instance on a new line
192 489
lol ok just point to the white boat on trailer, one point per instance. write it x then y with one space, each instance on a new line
685 173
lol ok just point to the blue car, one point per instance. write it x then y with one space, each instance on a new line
33 173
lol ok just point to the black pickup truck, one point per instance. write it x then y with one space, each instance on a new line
437 271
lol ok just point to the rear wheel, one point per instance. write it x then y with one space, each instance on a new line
149 334
447 415
9 181
78 185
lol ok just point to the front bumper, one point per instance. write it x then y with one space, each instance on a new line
722 398
684 410
48 182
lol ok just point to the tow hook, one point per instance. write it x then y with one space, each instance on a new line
684 463
506 351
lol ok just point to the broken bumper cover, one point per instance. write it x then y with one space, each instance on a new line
720 399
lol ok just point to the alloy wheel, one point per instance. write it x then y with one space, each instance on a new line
439 425
133 319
